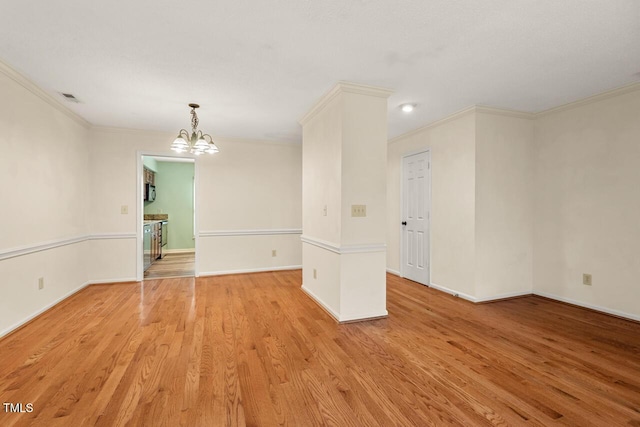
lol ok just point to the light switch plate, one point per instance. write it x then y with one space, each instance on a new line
358 210
124 209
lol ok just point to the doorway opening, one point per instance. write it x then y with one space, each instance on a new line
167 217
416 214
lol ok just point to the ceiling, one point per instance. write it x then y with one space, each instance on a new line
256 67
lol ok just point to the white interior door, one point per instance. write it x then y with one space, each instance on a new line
416 206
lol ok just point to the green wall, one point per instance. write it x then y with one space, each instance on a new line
174 196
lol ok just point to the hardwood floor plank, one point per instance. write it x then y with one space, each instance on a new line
255 350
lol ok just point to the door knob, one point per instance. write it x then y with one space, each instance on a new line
404 222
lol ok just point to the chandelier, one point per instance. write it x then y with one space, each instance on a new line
196 143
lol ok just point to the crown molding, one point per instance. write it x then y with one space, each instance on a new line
504 112
110 129
339 88
46 97
591 99
258 141
520 114
454 116
171 135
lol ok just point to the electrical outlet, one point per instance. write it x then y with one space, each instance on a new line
324 211
273 252
358 210
41 283
586 279
124 209
315 274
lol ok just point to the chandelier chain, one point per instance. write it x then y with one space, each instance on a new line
194 120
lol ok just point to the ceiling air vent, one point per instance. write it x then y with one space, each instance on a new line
69 97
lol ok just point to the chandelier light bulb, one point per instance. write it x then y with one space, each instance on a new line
196 142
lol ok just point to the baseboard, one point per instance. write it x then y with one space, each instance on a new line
554 297
502 297
394 272
248 270
47 307
112 281
178 251
321 303
363 317
351 318
453 292
589 306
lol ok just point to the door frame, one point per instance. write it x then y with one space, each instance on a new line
140 206
428 204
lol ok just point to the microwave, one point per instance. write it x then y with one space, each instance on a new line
149 193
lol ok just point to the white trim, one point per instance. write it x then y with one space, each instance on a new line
343 87
454 116
178 251
254 232
59 300
38 247
342 318
452 292
362 249
112 281
394 272
521 114
52 244
321 303
109 236
323 244
42 310
249 270
362 317
589 306
591 99
344 249
502 296
45 96
504 112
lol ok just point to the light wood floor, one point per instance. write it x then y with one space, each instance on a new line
254 349
180 264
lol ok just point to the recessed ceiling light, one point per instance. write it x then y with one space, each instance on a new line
407 108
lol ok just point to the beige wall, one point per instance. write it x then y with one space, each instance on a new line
65 183
528 203
246 191
344 156
322 178
452 147
44 183
587 202
503 205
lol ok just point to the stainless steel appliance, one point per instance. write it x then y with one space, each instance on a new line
165 237
146 246
149 192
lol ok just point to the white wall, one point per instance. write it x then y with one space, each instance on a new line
503 205
344 156
44 185
452 146
249 189
322 188
587 202
254 187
